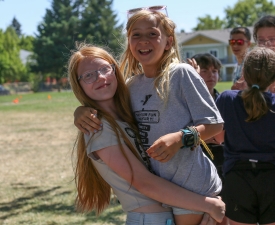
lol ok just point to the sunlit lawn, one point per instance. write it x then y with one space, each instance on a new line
36 141
36 183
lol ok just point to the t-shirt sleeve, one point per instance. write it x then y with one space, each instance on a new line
201 104
102 139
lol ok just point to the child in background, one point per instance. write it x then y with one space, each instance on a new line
209 69
113 157
171 101
249 143
208 66
264 35
239 42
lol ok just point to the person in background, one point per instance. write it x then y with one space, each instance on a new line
263 35
249 142
240 42
208 66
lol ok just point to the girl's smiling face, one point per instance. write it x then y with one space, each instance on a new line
104 88
147 42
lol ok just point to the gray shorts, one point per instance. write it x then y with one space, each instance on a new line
161 218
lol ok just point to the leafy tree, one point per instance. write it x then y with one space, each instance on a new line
26 42
11 67
247 12
207 23
16 26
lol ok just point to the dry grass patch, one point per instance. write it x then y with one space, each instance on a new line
36 183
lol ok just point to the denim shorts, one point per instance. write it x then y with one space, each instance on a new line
181 211
161 218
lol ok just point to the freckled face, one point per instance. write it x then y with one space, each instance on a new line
104 88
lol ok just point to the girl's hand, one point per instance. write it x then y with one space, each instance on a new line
193 63
86 121
165 147
208 220
217 210
239 84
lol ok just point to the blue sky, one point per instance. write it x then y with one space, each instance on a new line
30 13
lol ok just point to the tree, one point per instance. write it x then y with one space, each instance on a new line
98 25
16 26
247 12
69 21
26 42
11 67
56 36
207 23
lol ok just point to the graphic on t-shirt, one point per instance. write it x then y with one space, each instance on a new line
130 132
144 119
146 99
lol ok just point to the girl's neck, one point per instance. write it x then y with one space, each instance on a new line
212 93
150 72
110 107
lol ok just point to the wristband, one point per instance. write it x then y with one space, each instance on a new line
187 138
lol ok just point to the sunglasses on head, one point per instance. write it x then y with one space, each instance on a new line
160 8
237 41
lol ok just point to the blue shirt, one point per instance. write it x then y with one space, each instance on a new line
246 140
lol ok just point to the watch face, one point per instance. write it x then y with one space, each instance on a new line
188 140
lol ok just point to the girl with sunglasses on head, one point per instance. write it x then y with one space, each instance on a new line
249 143
171 101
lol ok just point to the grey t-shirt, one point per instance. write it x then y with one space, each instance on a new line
128 196
189 103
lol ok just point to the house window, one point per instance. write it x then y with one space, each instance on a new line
189 54
214 52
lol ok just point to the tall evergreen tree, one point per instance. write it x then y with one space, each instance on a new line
98 24
55 37
16 26
69 21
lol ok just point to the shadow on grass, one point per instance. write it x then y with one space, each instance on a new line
54 201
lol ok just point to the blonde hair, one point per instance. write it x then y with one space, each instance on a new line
259 73
130 66
93 190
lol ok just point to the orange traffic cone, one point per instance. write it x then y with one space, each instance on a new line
15 101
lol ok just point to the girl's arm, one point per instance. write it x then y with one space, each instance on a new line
220 137
86 121
164 148
156 187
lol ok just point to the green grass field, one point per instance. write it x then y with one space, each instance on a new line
222 86
36 141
